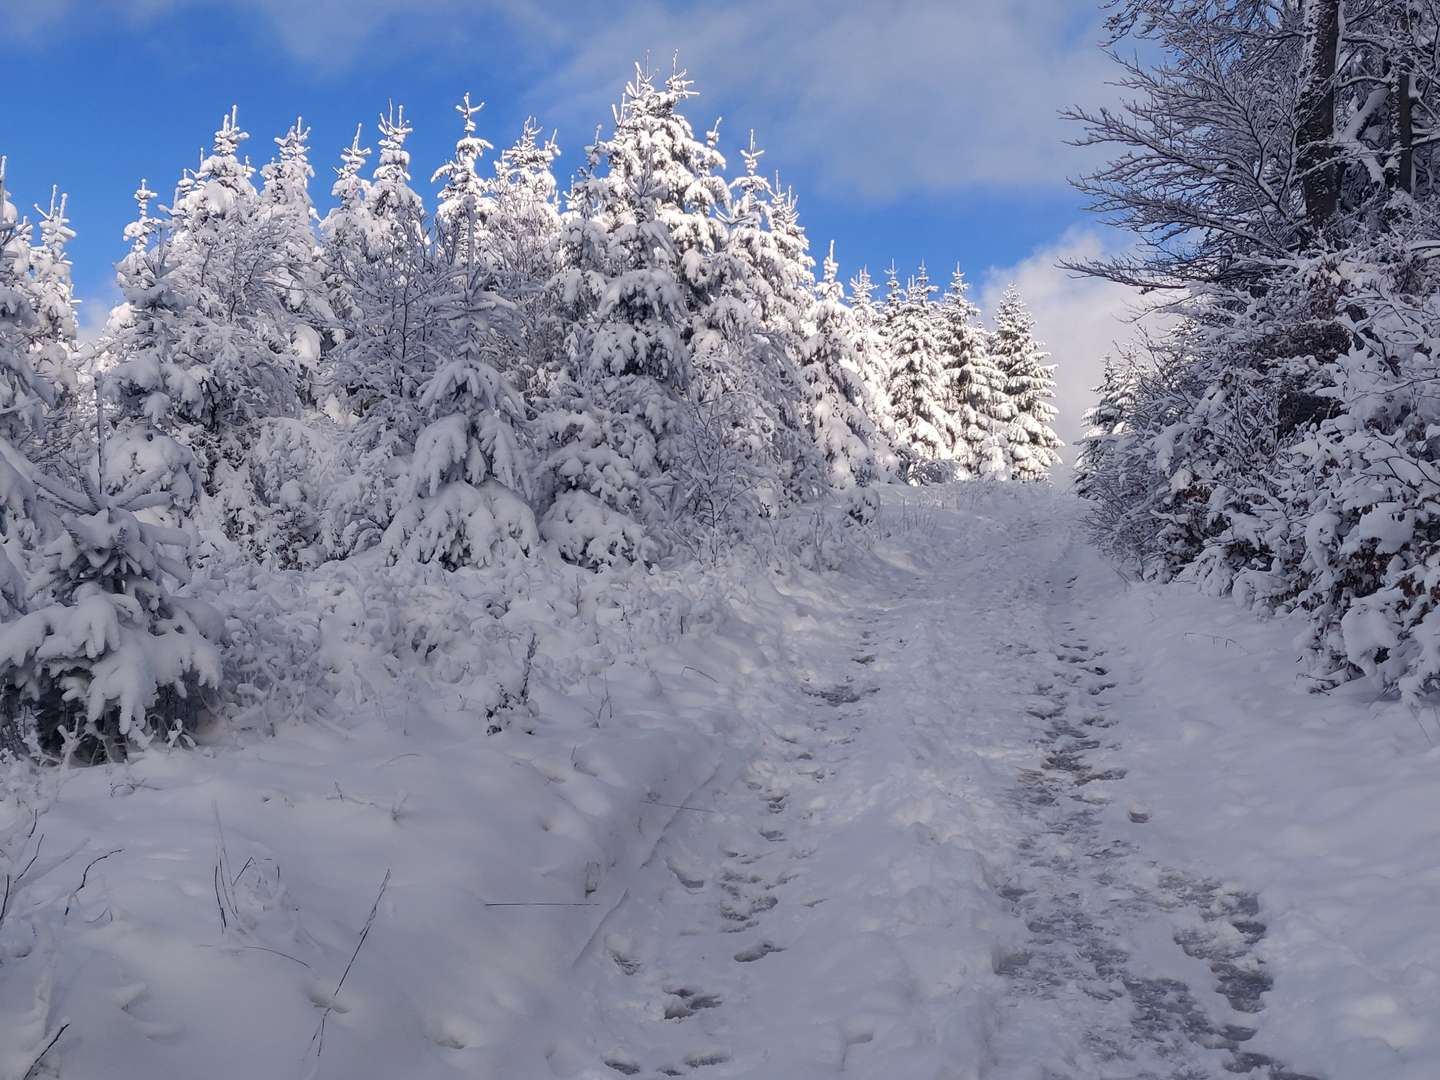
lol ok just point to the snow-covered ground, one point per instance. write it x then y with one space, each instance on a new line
968 806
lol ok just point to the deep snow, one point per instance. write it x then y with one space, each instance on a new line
969 806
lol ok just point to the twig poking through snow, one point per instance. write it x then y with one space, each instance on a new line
318 1039
84 875
30 1073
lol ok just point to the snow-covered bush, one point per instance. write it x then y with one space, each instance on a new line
108 656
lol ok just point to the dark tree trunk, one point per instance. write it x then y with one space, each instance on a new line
1320 177
1405 131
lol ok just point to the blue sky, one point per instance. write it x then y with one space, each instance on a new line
914 129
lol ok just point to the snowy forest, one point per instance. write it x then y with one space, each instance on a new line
640 367
469 609
1278 440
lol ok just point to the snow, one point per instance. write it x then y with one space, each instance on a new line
941 809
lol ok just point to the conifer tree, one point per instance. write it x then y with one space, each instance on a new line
975 386
1029 385
1105 421
918 390
287 219
524 235
343 233
464 206
25 393
616 419
871 353
839 399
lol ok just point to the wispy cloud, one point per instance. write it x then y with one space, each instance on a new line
883 100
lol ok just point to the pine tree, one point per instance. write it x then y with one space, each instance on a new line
287 219
840 404
616 419
524 235
343 233
1105 421
464 500
25 393
1029 385
404 292
871 353
918 390
757 317
464 207
146 376
975 386
108 656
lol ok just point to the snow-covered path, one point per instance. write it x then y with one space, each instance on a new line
909 876
969 807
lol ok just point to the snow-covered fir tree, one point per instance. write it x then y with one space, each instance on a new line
344 231
1105 421
840 403
872 355
107 656
976 396
617 415
287 219
25 393
919 391
525 253
756 318
464 206
1031 444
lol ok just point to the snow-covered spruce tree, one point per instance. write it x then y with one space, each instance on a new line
464 206
286 216
524 235
54 345
343 254
463 502
1106 420
142 370
918 390
838 397
403 290
871 353
25 393
975 385
1030 443
754 317
617 417
108 657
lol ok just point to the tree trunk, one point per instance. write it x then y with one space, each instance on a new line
1405 131
1320 177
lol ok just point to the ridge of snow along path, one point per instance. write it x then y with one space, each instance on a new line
970 807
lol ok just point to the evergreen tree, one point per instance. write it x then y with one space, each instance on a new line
1105 421
343 234
840 403
617 419
25 393
918 384
524 235
287 219
108 656
464 208
976 387
1030 386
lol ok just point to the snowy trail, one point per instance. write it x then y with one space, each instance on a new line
909 877
968 808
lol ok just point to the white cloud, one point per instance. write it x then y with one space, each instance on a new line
885 99
882 99
1080 319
